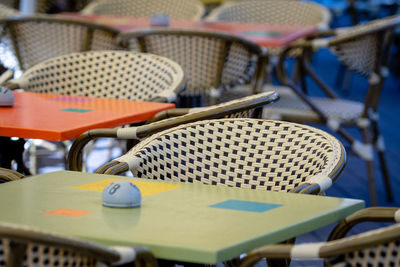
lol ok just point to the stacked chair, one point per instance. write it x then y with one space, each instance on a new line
109 74
238 152
177 9
214 62
22 246
30 40
244 107
377 247
363 49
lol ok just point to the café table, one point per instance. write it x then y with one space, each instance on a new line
267 35
177 221
55 117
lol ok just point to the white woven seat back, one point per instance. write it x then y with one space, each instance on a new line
385 254
361 54
38 40
274 12
110 74
46 256
179 9
247 153
204 59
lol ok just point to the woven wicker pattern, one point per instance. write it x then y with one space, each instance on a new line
40 255
210 60
272 11
180 9
247 153
38 39
382 254
112 74
361 54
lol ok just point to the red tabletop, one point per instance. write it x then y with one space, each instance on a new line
57 117
268 35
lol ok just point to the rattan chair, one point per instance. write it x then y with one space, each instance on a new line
41 5
273 12
244 107
177 9
379 247
364 50
34 39
213 62
106 74
7 175
25 246
241 152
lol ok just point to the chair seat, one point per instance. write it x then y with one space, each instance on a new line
290 107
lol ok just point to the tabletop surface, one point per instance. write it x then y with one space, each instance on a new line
185 222
268 35
60 117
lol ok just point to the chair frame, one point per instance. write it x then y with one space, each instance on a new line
7 175
90 9
20 236
314 185
19 19
165 120
369 114
260 52
337 242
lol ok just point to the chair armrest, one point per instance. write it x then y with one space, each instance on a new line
7 175
76 150
6 76
374 214
279 251
169 113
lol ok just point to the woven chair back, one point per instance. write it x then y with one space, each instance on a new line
364 53
26 247
31 40
212 61
178 9
247 153
373 248
110 74
273 12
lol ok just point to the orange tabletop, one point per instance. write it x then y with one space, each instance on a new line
60 117
268 35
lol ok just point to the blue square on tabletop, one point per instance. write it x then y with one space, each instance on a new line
77 110
242 205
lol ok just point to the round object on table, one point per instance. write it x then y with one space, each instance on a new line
6 97
159 19
122 194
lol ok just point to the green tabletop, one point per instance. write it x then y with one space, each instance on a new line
185 222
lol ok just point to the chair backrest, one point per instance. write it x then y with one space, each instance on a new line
273 12
178 9
364 48
21 246
212 61
380 246
31 40
247 153
110 74
41 5
243 107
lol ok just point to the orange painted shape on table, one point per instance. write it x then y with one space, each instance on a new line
268 35
57 117
68 212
